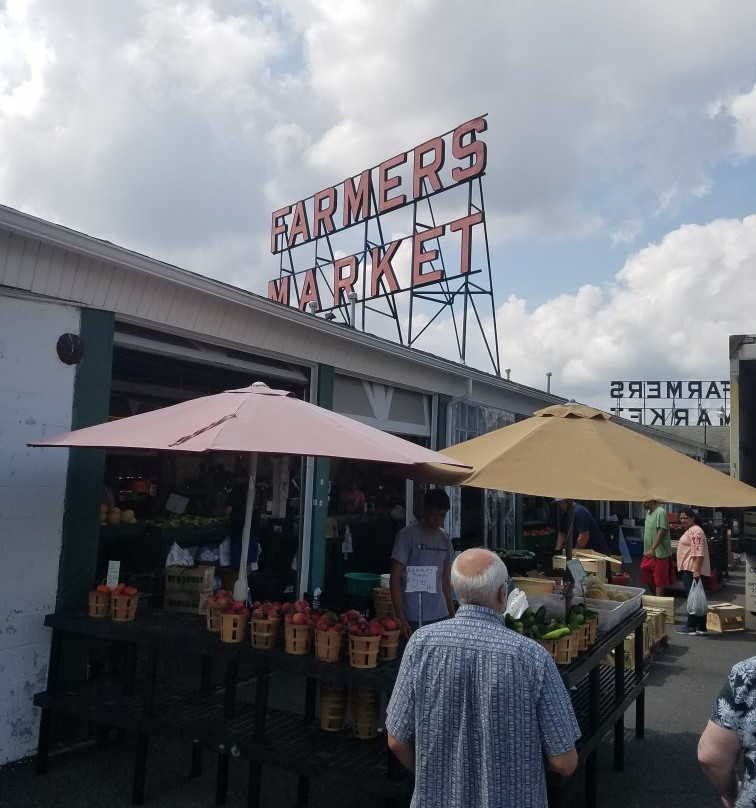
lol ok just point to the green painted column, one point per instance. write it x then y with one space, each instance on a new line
81 516
322 471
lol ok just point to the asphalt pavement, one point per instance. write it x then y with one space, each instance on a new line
660 770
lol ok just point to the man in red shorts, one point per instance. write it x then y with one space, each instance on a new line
656 570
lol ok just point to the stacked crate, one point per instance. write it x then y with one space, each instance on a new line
186 588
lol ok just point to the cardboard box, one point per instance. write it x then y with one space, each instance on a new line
629 649
723 617
667 604
656 620
592 562
187 587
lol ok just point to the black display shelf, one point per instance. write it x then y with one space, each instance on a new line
232 720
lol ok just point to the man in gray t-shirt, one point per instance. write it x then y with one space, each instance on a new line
423 544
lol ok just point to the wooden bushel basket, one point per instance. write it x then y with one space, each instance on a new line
123 607
264 633
563 650
333 705
581 637
297 638
363 651
592 631
366 708
328 645
382 605
233 627
213 619
389 645
99 604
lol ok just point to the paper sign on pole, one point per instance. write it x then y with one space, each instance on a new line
114 571
421 579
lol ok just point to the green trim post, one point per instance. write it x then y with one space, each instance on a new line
321 481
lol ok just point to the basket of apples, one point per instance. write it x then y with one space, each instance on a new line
364 639
123 603
297 627
266 621
233 621
217 603
329 637
389 639
99 601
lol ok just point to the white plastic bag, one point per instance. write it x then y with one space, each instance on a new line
179 557
697 604
224 552
517 602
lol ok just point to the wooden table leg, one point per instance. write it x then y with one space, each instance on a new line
196 767
303 791
594 719
255 782
140 767
221 779
640 702
45 718
619 724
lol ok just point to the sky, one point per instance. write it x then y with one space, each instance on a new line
620 188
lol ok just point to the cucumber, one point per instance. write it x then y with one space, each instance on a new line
555 634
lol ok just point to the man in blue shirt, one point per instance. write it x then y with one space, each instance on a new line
585 532
478 711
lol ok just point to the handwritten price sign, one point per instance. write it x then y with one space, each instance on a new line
421 579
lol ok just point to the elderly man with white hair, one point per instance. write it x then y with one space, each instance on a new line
479 712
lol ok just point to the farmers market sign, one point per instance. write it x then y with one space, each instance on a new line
414 224
672 403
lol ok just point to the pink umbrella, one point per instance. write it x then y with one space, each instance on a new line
254 419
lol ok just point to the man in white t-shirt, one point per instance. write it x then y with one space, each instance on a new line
423 544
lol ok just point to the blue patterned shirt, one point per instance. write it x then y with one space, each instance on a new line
482 706
735 709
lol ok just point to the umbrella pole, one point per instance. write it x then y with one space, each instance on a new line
241 587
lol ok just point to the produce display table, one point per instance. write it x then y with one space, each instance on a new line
217 719
136 701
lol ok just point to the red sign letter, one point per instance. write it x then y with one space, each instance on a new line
343 286
466 225
386 183
309 291
357 202
420 257
429 172
278 228
279 293
299 226
475 150
324 213
381 268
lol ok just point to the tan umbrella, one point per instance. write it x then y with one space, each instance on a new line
253 420
576 452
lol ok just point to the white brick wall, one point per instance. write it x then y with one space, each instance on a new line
36 394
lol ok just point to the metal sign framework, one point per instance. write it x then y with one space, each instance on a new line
465 298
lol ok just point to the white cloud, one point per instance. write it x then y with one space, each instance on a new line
669 314
742 109
176 128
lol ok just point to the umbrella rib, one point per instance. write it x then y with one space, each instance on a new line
203 429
